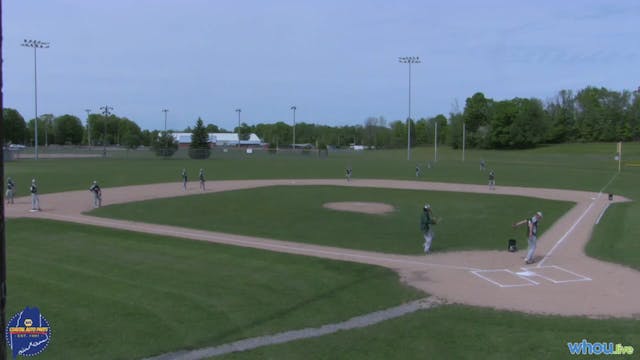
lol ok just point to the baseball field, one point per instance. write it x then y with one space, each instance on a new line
159 271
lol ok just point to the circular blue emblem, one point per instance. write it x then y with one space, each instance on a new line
28 333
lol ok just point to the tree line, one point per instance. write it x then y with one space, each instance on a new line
588 115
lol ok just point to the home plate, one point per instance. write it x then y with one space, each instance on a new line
526 273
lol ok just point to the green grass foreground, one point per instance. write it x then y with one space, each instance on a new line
111 294
458 332
296 213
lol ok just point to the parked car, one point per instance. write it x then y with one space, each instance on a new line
16 147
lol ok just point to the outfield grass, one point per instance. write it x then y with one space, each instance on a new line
296 213
583 167
458 332
111 294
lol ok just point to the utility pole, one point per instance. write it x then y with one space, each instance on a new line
165 111
435 144
238 111
88 127
294 127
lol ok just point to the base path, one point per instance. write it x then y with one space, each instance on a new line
564 281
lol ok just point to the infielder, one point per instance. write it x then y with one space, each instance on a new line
184 179
11 188
35 202
97 194
348 173
492 180
201 177
426 221
532 225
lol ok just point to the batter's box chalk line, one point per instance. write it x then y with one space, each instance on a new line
539 271
522 280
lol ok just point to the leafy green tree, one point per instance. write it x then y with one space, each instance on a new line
244 131
199 147
14 126
67 130
561 118
129 133
147 137
476 112
398 133
454 132
164 144
504 115
211 128
47 128
422 134
442 128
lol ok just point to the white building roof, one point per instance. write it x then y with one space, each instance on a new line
218 138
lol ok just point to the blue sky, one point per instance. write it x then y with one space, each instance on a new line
336 61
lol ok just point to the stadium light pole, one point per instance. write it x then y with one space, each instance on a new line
35 44
165 111
88 127
238 111
294 127
409 60
106 111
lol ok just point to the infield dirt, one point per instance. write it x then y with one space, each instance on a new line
564 282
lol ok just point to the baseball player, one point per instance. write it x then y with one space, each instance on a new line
483 165
532 234
492 180
97 194
11 188
417 170
184 179
348 173
35 201
201 177
426 220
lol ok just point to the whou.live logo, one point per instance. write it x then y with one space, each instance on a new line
598 348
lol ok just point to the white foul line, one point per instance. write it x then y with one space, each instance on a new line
546 256
609 183
601 214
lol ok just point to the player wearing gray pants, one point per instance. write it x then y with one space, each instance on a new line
532 235
35 202
97 194
425 225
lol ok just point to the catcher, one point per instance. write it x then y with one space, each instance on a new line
97 194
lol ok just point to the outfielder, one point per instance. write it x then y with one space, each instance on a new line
492 180
426 221
11 188
201 177
35 202
97 194
532 233
184 179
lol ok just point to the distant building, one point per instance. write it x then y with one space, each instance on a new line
219 139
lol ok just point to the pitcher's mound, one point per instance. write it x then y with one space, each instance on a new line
361 207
